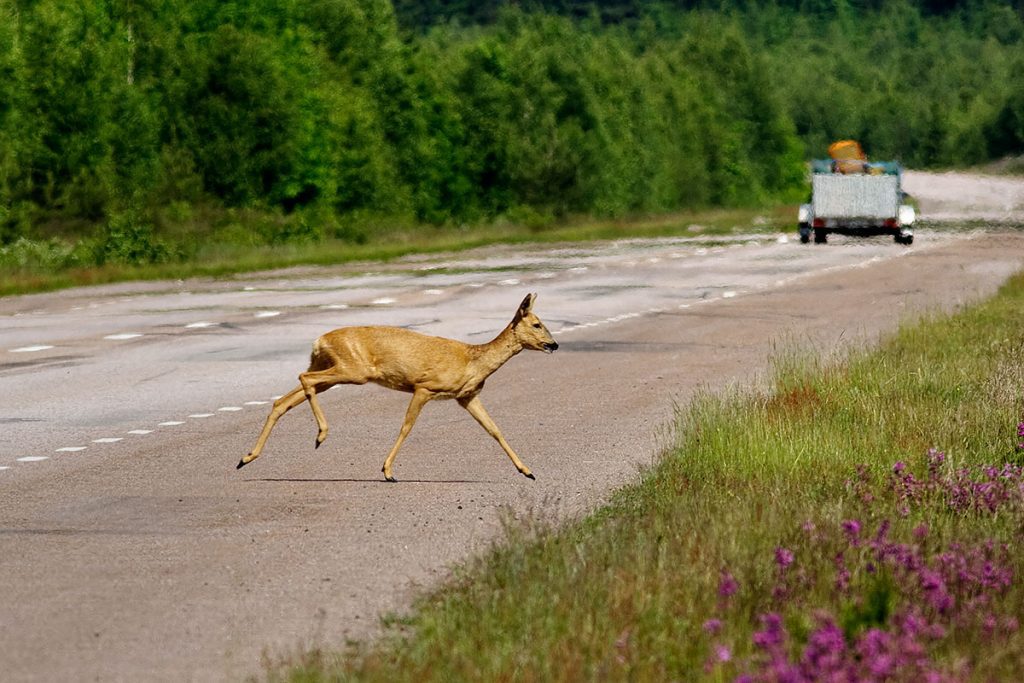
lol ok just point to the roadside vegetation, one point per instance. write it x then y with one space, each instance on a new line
183 136
33 266
858 519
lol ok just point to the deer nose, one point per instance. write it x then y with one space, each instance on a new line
553 346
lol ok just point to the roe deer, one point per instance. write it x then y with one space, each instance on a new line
427 367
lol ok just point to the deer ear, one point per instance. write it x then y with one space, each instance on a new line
527 304
524 308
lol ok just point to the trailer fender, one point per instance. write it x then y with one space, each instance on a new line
907 215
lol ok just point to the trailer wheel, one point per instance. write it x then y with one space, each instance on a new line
805 233
820 237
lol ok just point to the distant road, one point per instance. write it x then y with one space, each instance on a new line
131 548
955 196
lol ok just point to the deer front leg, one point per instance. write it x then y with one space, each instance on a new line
419 399
281 406
476 409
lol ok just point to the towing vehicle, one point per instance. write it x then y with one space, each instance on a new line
852 196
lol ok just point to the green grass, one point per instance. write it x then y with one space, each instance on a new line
1011 166
625 593
211 252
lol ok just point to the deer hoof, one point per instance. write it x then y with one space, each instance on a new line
390 479
241 464
529 475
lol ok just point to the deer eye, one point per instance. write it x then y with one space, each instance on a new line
536 325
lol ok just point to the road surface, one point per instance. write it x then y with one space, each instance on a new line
132 549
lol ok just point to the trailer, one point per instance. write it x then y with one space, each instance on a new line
851 196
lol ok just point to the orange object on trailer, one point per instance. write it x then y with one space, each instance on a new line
848 157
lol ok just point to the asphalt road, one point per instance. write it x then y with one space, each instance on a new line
132 549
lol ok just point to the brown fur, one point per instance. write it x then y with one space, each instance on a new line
427 367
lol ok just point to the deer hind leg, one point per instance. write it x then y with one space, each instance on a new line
316 381
419 399
476 409
281 406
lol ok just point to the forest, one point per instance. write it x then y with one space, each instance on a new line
133 131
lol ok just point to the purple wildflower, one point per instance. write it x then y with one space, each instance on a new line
713 626
878 653
722 653
772 635
825 651
852 529
727 585
936 591
783 557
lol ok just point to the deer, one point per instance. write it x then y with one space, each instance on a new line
425 366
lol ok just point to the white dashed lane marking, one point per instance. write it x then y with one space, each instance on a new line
140 432
31 349
381 301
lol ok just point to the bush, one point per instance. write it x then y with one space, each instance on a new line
26 254
126 239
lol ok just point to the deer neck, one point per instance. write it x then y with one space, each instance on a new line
495 353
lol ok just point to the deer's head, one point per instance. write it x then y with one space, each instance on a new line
529 330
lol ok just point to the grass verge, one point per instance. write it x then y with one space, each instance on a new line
859 520
209 251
